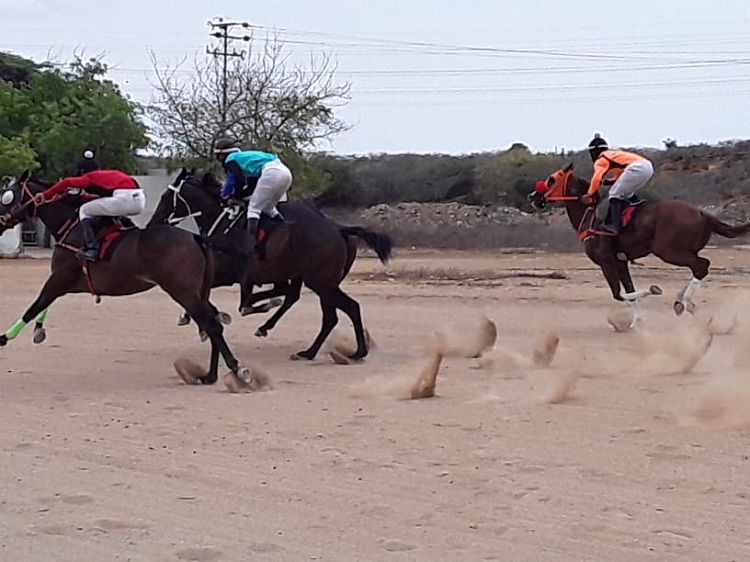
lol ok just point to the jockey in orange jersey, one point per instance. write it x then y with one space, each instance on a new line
630 171
115 194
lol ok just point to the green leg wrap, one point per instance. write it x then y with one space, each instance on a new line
15 329
41 316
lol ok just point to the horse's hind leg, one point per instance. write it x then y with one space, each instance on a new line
699 266
293 291
350 307
330 319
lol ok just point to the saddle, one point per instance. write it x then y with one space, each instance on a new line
109 230
228 230
590 226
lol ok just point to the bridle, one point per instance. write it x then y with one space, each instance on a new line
559 189
14 215
233 213
178 198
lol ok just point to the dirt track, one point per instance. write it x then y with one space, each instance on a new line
107 455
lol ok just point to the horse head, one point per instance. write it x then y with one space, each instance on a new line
17 203
562 185
189 195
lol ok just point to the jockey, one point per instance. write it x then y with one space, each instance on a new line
114 193
244 169
631 171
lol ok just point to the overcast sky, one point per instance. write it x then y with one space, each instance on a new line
453 77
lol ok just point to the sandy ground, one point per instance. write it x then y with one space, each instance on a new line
108 455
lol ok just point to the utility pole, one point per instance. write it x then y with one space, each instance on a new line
221 30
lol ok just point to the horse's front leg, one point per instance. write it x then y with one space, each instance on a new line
51 291
40 334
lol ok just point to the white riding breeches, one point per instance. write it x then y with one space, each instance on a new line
633 177
122 203
273 183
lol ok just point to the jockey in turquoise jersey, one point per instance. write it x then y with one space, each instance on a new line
257 177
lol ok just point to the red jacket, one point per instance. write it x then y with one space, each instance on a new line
98 182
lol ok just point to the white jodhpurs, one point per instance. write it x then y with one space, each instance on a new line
633 177
123 203
273 183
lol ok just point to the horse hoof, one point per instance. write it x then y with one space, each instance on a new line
679 308
655 290
183 320
246 311
237 383
40 334
302 355
208 379
261 332
224 318
3 340
203 335
690 307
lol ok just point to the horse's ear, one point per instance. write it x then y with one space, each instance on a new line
24 176
568 168
192 171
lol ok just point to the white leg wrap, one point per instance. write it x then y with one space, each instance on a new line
635 295
690 288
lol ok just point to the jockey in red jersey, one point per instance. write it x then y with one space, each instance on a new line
115 193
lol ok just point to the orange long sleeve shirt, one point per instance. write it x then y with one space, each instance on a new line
611 162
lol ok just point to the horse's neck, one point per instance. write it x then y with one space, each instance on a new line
54 215
575 212
208 208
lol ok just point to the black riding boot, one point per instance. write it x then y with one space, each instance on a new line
90 250
614 216
252 230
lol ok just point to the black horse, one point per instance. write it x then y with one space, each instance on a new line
173 259
307 248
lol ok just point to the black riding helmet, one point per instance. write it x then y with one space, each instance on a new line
597 146
225 146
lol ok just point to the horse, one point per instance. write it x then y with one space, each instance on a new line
160 255
306 248
673 231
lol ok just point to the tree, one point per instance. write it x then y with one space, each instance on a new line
57 112
271 104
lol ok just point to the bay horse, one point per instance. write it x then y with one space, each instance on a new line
306 248
159 255
674 231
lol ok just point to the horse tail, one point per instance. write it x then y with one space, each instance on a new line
727 230
381 243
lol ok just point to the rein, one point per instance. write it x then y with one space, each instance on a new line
585 228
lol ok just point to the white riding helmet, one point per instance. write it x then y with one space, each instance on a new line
88 154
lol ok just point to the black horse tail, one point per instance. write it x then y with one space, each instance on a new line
381 243
727 230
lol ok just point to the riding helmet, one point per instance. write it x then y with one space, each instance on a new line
225 146
597 146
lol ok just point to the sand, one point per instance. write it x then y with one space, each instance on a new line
623 446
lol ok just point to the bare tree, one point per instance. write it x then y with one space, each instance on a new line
271 104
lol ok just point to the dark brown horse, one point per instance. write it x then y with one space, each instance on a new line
674 231
307 248
163 256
